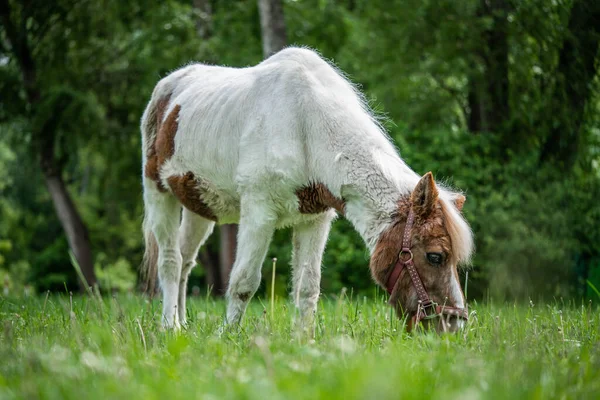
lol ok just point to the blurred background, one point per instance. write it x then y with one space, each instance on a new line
499 98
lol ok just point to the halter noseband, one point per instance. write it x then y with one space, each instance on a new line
427 308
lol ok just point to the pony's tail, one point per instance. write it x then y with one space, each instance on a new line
149 266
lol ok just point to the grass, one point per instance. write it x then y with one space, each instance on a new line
87 348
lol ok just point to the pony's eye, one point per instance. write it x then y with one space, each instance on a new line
435 258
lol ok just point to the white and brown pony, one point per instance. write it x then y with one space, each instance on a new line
290 142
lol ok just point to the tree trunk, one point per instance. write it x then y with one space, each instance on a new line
272 25
576 71
476 118
488 93
203 12
213 273
228 244
66 211
77 234
496 61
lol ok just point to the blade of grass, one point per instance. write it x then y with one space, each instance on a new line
273 287
77 268
591 285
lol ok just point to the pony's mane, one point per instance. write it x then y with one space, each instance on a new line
457 227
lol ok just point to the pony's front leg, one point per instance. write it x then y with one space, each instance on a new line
257 224
308 247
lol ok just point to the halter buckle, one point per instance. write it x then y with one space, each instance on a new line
429 309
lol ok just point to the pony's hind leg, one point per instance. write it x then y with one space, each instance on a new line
257 224
193 232
163 213
308 246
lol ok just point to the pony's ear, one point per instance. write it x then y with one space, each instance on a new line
425 196
459 201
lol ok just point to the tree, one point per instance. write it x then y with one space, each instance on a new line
272 25
488 97
24 25
95 66
573 87
203 11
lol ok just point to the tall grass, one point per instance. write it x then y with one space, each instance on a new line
87 348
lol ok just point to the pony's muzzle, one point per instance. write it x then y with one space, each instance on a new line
443 324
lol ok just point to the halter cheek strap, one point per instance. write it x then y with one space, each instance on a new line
427 308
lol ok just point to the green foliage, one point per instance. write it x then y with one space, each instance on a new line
14 280
85 348
117 277
531 223
420 63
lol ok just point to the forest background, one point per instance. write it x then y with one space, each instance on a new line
499 98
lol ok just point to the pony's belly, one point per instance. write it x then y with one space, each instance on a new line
204 198
291 206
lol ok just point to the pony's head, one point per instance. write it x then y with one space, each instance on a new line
420 252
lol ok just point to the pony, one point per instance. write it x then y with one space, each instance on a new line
290 142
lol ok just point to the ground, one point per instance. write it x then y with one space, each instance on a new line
86 348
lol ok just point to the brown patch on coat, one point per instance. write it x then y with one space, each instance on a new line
186 189
161 107
317 198
165 139
389 245
164 143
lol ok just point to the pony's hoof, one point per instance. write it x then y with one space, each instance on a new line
174 326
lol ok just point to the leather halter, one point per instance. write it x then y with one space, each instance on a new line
427 308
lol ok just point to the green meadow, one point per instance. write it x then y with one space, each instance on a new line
63 347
